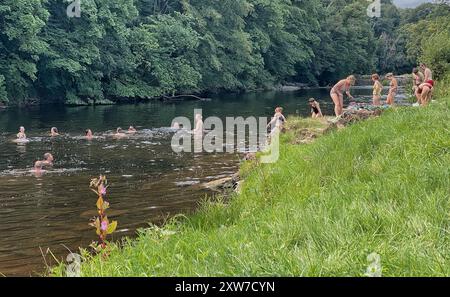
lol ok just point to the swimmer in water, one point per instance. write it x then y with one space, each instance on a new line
131 130
47 162
89 135
54 132
21 135
119 133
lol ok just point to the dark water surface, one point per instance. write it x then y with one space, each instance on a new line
148 181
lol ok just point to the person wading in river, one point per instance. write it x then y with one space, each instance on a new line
21 135
393 88
377 88
337 93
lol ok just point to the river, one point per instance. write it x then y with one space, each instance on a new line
148 181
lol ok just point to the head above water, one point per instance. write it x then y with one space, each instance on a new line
54 130
48 157
38 165
88 132
22 129
119 130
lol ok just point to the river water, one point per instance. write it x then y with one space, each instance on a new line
148 181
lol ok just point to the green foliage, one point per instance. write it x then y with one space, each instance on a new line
438 57
128 49
3 93
20 44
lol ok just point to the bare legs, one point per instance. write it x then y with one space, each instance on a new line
390 98
376 100
338 100
425 96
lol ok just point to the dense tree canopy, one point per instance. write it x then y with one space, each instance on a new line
128 49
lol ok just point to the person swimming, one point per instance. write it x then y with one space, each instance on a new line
316 112
47 162
393 88
337 93
377 88
54 132
131 130
88 134
119 133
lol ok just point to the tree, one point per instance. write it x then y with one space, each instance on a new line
20 45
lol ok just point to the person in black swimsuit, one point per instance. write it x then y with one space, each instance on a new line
316 112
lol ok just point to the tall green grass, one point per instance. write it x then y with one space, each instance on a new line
377 186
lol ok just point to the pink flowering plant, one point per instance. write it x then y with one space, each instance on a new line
101 223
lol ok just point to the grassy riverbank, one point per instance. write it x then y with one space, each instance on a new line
381 186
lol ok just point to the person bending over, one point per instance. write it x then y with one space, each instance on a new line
337 93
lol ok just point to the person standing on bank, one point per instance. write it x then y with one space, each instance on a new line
393 88
337 93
